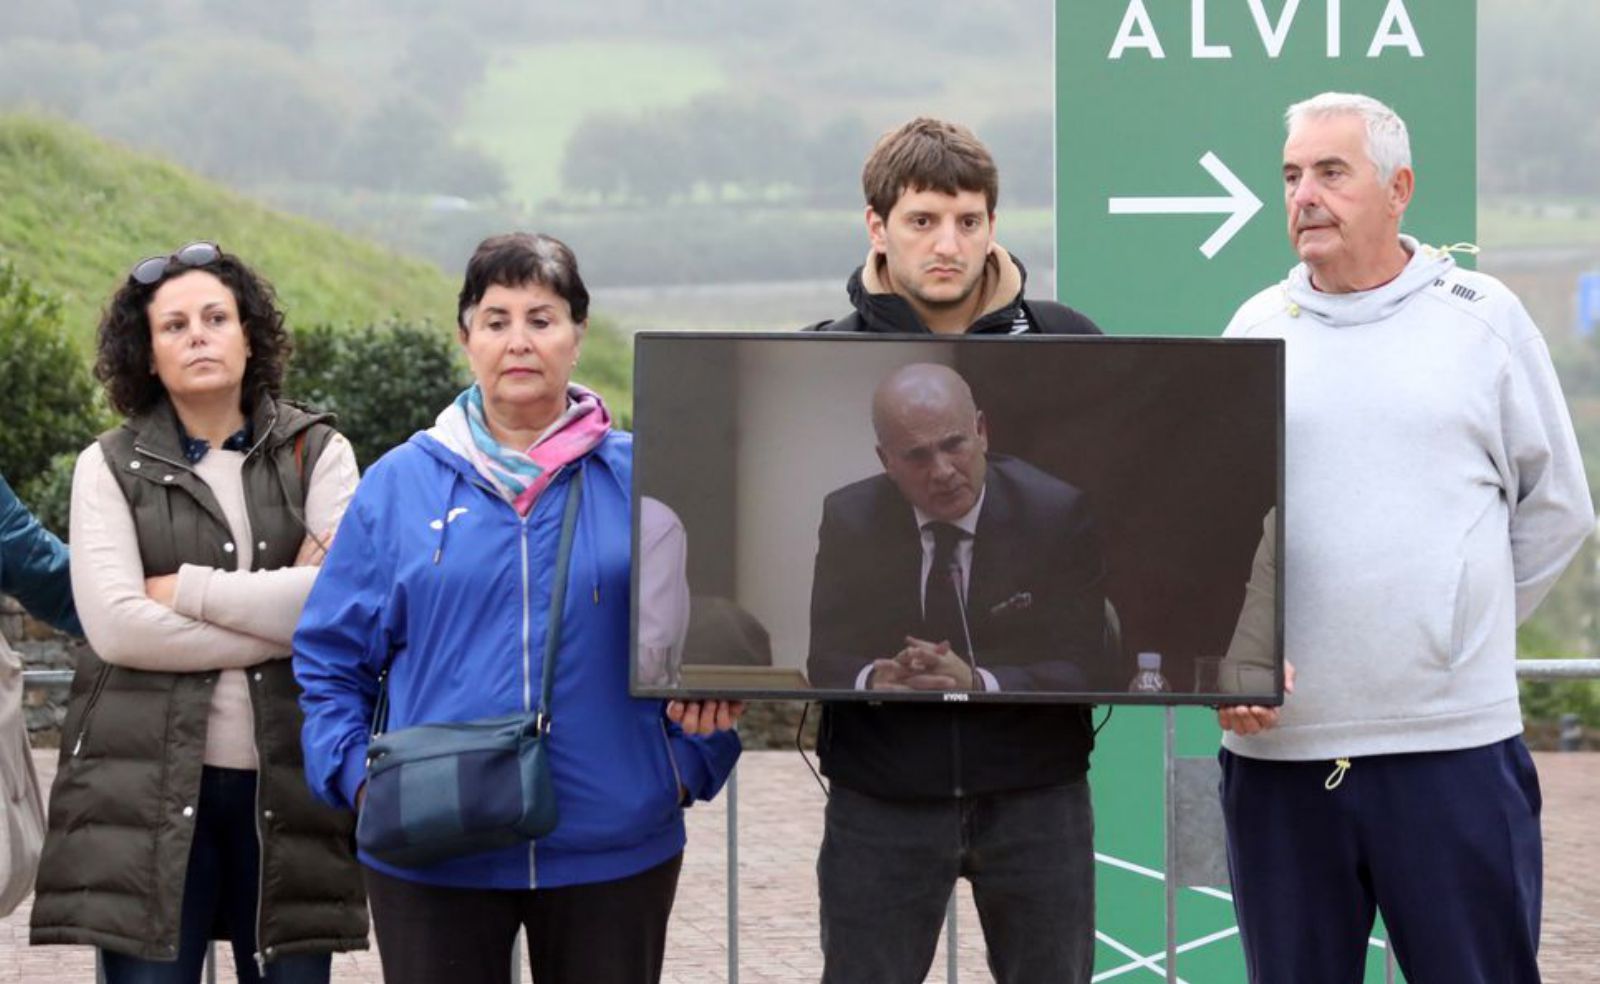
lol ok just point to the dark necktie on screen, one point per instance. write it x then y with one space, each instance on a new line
941 604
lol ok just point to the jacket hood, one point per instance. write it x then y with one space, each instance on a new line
882 310
454 436
1427 264
449 441
432 443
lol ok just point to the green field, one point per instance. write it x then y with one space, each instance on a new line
534 97
1507 223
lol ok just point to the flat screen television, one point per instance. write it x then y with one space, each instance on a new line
857 517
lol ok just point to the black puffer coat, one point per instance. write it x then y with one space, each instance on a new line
132 745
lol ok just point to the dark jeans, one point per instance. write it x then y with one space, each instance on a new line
611 932
1444 844
222 882
887 869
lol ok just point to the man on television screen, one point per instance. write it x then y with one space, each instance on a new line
954 569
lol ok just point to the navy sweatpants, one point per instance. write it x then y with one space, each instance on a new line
1445 845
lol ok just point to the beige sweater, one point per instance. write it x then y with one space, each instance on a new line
221 620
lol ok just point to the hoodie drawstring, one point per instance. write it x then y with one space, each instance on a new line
1468 249
442 524
1340 767
1289 304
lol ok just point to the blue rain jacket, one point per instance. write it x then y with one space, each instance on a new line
431 566
33 565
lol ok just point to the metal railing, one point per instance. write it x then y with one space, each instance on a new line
1527 669
46 678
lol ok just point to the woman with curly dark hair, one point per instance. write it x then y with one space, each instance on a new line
179 812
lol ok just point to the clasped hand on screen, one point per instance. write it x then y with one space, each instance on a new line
922 665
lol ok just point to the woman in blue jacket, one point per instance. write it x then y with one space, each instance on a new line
443 571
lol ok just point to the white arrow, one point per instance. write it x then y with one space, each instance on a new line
1240 201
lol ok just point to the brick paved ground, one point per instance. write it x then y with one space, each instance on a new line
1570 947
780 812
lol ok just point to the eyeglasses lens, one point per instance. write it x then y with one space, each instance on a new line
152 268
197 254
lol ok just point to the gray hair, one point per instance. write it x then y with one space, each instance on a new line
1388 143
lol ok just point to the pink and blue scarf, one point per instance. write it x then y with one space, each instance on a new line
520 476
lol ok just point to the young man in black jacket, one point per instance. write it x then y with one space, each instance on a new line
993 793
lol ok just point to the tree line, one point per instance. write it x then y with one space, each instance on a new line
236 91
729 148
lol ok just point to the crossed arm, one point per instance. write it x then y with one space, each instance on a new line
200 618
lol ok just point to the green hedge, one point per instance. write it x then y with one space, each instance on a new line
49 404
384 382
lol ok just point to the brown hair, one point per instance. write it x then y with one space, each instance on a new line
928 155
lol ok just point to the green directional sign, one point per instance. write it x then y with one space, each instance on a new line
1169 138
1169 214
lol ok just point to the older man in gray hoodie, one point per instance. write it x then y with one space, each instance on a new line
1435 492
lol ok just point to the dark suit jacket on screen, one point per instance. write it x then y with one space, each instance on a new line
1035 601
1036 612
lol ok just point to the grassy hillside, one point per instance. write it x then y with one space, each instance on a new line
84 210
78 211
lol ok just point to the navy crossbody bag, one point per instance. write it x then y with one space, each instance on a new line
441 791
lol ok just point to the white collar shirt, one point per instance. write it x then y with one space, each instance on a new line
968 523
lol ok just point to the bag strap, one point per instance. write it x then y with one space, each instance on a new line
552 635
558 600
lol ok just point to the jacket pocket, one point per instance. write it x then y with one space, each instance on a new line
1480 589
675 781
664 775
86 718
1459 609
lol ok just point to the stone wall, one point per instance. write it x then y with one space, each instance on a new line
771 724
42 648
766 724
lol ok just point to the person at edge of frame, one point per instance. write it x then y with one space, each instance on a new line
34 568
1434 494
924 794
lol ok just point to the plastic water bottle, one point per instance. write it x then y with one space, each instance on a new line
1149 679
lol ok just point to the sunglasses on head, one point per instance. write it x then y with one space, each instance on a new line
151 269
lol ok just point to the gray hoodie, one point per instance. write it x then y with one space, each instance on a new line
1434 492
